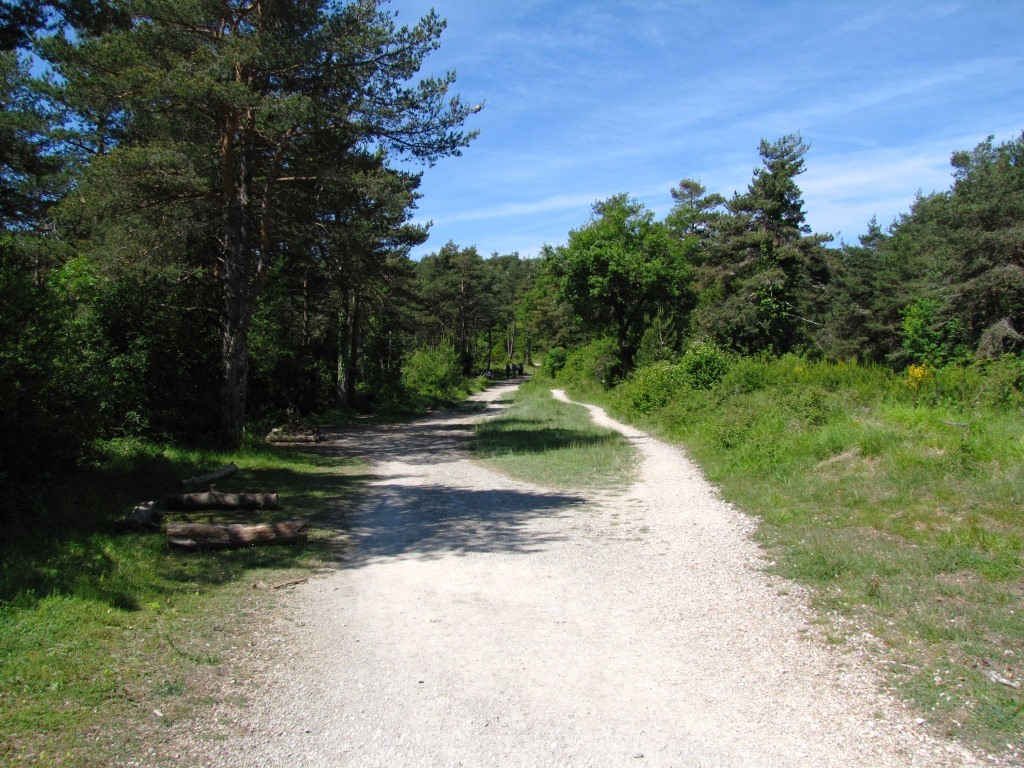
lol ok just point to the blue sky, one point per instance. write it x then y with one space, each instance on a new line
589 99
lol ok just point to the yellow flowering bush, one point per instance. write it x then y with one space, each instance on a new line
917 375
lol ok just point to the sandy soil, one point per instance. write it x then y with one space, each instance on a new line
482 621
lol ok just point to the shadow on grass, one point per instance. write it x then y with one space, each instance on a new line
71 540
499 439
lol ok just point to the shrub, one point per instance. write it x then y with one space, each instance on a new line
48 405
650 389
554 362
595 364
704 364
433 375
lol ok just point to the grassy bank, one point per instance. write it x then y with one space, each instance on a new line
552 443
107 639
899 498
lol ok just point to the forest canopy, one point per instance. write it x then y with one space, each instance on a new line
206 213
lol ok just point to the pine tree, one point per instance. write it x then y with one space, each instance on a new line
213 128
762 279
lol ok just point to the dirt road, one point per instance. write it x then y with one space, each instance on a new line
481 621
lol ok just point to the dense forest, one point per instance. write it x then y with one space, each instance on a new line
207 221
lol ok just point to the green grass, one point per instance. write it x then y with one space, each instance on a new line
902 509
101 628
552 443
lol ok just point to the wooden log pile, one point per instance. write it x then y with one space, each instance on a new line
193 537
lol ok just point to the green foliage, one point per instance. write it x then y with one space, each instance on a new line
704 364
761 276
953 262
898 504
219 162
48 409
659 342
595 366
927 338
620 268
29 179
650 388
456 292
433 375
554 361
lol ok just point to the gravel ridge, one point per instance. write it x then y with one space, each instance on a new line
478 620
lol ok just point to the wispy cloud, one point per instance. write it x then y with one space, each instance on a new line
585 100
511 210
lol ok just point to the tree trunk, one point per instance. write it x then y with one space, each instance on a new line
344 331
348 348
216 500
195 536
510 340
236 279
234 382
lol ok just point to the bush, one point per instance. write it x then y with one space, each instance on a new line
595 365
554 362
650 389
433 376
48 406
704 364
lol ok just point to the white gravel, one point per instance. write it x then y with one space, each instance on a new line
483 621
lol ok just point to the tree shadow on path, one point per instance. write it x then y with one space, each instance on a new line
401 517
431 521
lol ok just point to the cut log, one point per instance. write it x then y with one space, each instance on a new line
217 500
217 474
196 536
294 437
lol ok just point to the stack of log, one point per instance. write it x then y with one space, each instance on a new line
204 536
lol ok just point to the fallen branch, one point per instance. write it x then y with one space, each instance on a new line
217 474
197 536
290 583
216 500
995 677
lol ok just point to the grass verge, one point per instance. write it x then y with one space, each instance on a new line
899 501
107 639
551 443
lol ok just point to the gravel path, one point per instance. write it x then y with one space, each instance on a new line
482 621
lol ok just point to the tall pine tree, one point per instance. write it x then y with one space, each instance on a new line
761 282
214 127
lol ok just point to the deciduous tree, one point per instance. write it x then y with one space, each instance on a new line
620 267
